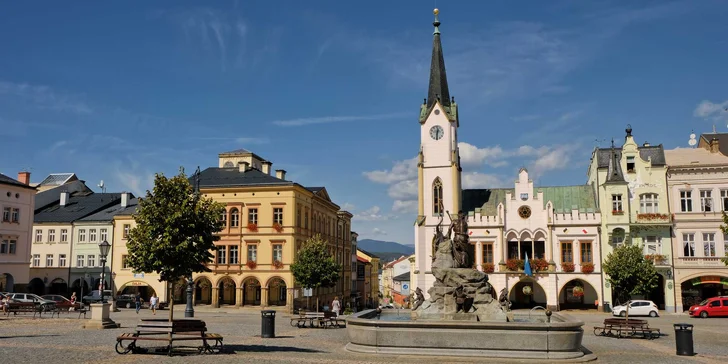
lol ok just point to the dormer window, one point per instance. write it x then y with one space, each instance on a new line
630 164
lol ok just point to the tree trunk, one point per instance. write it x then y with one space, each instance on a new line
170 293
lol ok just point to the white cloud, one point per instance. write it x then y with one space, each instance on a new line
44 97
401 171
348 207
337 119
372 214
378 231
403 190
555 158
481 180
707 109
403 207
471 155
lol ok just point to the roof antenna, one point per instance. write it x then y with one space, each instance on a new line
692 140
102 186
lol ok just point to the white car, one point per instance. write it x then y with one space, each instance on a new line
637 308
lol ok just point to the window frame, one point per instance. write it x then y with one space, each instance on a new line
686 201
688 241
15 215
589 252
51 235
253 215
80 259
647 242
6 213
488 252
91 260
49 260
64 236
251 248
570 251
617 203
651 200
81 235
706 201
709 244
233 258
277 247
62 260
36 260
437 197
278 215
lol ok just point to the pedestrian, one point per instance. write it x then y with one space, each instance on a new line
153 301
73 302
336 306
138 301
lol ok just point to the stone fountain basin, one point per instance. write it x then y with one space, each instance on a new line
558 340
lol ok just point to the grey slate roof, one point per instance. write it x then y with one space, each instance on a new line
438 77
53 196
314 189
5 180
107 214
614 171
656 152
232 177
238 151
77 207
404 277
722 141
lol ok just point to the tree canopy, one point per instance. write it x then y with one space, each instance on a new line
724 227
175 230
629 272
314 266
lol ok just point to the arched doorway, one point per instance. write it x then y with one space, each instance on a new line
581 298
520 299
7 282
695 290
203 291
58 286
36 286
80 286
251 292
141 287
277 292
226 291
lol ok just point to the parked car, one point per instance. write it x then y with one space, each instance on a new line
95 297
126 300
637 308
56 298
712 307
29 297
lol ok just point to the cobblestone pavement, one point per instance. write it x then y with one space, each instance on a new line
27 340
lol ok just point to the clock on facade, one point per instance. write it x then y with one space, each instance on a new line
524 212
436 132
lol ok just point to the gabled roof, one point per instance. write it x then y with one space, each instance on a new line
232 177
705 139
321 192
404 277
614 170
53 196
77 207
57 179
108 213
655 152
694 157
5 180
370 255
392 263
563 198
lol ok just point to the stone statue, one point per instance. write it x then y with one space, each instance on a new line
461 243
420 298
460 298
503 299
437 238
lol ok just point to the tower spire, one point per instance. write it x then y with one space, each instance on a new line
438 89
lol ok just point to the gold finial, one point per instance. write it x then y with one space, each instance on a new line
436 11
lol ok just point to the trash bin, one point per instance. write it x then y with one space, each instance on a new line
684 339
268 325
607 307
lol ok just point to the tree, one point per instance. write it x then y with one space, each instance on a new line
629 272
314 266
175 231
724 227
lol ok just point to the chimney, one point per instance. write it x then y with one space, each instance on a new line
243 166
24 178
646 144
714 145
64 198
281 174
124 199
266 167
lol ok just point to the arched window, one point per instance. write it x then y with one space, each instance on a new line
228 164
437 204
234 218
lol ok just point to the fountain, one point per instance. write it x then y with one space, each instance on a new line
462 316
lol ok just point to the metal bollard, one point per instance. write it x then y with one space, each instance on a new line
684 339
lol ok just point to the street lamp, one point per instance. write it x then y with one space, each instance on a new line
104 247
189 310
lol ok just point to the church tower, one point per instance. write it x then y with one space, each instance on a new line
438 167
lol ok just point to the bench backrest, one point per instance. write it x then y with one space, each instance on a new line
173 327
313 314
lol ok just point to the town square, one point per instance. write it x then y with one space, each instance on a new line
246 182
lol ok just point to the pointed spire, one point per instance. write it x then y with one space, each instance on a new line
438 89
614 170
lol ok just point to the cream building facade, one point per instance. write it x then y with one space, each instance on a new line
17 201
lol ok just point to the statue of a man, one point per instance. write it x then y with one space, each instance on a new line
419 300
437 238
461 241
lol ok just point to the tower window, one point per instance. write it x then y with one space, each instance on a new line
437 205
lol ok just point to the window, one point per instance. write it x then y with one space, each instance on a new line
278 252
234 255
125 262
79 261
253 216
488 253
4 246
617 239
38 236
305 219
127 228
49 260
82 235
221 250
91 260
688 245
64 235
586 252
6 214
686 201
709 244
706 201
724 197
617 203
437 205
298 217
278 216
14 243
36 260
52 235
61 260
630 164
648 203
252 253
92 235
651 246
223 218
16 215
103 235
567 253
234 217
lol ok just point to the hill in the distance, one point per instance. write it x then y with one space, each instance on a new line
385 250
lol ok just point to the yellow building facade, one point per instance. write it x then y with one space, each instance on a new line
369 284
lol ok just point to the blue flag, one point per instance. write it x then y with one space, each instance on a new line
527 267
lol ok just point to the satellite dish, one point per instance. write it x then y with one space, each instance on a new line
692 140
101 184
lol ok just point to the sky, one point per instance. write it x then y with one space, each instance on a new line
331 90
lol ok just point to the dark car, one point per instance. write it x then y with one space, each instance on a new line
56 298
126 300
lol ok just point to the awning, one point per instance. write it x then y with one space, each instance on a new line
709 279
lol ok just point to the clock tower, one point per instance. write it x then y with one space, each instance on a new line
438 165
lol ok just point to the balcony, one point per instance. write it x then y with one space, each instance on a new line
653 219
699 262
659 260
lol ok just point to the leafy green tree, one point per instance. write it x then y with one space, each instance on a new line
724 227
629 272
314 266
175 231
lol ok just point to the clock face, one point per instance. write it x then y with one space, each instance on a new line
524 212
436 132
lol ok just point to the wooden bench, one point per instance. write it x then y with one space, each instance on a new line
621 328
165 331
67 307
22 307
312 318
332 320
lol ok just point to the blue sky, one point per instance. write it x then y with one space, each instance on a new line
330 90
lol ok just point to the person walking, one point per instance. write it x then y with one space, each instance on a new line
138 301
336 306
153 301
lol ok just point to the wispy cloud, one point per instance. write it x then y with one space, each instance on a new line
237 140
337 119
44 97
712 111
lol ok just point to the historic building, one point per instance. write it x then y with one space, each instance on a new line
697 180
367 275
391 270
630 183
266 221
17 201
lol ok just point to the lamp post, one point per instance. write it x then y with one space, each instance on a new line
189 310
104 247
100 311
